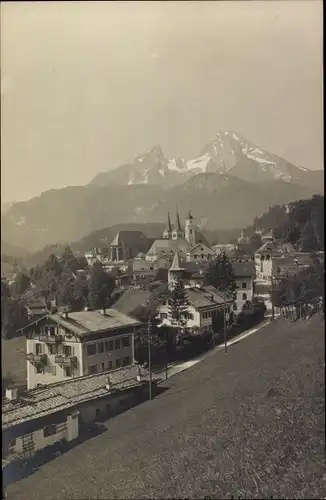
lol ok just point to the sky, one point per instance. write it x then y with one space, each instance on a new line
88 86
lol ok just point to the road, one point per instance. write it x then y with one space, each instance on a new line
175 368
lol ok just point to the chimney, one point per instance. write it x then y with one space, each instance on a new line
11 393
109 384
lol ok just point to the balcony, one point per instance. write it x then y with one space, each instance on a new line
66 360
51 339
36 359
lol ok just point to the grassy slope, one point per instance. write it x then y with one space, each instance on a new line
248 423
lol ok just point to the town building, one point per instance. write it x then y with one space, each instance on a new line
200 253
245 274
35 304
204 305
265 254
127 244
67 345
40 418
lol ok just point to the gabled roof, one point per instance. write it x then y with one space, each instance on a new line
200 246
129 238
276 246
142 265
131 300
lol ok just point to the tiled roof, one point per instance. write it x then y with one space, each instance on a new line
84 322
244 269
198 246
166 246
67 394
205 297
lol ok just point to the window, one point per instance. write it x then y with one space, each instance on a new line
49 430
126 361
102 366
109 345
52 330
92 369
110 365
67 351
67 371
52 349
125 341
91 349
118 363
163 315
100 346
38 349
97 414
117 344
190 316
244 285
39 369
235 307
46 330
244 296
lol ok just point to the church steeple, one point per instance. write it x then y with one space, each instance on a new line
178 225
167 234
190 233
177 233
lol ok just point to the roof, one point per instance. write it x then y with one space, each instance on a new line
131 300
277 247
244 269
129 239
268 235
204 297
142 265
67 394
178 445
201 245
176 264
83 322
165 246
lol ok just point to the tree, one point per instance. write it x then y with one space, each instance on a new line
220 274
101 286
68 260
81 291
178 311
21 284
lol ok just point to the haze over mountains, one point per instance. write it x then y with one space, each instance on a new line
229 183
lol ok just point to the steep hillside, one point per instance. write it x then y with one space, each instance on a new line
224 202
69 214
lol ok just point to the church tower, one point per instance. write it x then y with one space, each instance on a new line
190 233
176 271
177 233
167 234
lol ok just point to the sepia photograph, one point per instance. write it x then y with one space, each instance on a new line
162 250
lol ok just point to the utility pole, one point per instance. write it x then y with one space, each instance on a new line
272 295
224 328
166 355
149 331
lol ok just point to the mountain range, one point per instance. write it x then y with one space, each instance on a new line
226 186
